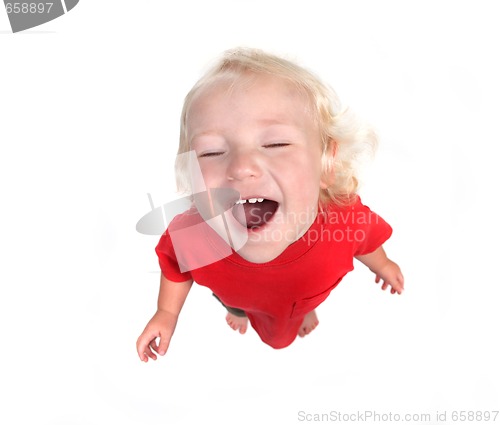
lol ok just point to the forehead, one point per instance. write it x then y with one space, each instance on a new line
249 97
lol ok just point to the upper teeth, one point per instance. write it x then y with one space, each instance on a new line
251 200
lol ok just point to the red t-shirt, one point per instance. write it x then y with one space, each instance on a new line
278 294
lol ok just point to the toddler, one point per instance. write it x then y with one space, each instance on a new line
270 137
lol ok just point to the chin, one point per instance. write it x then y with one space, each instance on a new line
256 253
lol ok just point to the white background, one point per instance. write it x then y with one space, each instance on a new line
89 111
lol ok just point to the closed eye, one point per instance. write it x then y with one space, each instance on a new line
277 145
209 154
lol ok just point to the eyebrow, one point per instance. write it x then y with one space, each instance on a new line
215 133
271 122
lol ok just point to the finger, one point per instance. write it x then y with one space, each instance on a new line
377 278
384 286
143 356
154 345
145 352
151 353
399 286
141 348
143 343
164 343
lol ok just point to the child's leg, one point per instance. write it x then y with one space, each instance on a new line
232 310
235 318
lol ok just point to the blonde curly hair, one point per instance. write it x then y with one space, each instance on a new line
346 142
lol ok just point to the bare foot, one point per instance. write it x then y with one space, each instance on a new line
237 322
309 324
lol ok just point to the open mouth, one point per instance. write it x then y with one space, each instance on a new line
254 213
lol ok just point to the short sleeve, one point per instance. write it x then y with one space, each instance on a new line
168 261
371 229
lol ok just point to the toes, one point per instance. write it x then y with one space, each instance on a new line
306 330
231 324
236 324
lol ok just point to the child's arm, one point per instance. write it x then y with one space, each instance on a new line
162 325
384 269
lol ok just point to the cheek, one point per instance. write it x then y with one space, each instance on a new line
302 172
200 182
314 170
211 175
306 187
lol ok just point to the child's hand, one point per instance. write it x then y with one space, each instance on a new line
386 270
162 326
391 276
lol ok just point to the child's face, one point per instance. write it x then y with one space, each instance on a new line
260 139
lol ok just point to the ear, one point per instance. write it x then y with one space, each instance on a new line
327 160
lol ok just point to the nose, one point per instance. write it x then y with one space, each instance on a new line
243 164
